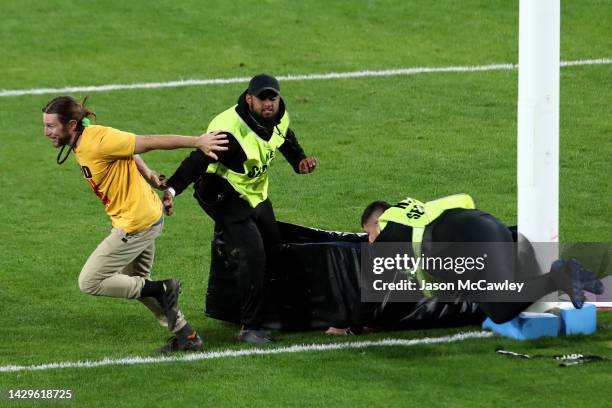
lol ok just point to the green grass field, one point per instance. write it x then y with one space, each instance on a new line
424 135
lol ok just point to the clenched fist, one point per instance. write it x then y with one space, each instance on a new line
307 165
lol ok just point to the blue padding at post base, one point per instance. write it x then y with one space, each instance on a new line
578 321
534 325
526 326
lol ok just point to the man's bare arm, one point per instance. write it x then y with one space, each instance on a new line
208 143
155 179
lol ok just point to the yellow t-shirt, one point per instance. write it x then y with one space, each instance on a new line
106 157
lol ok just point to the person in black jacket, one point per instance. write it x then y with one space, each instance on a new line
233 189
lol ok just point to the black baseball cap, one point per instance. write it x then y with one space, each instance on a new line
263 82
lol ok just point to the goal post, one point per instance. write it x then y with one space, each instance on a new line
538 130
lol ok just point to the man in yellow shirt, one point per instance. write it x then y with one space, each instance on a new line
121 265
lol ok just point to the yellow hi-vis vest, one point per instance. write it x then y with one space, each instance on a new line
419 215
252 184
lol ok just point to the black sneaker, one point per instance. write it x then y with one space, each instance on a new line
590 280
192 343
568 278
169 301
574 279
254 336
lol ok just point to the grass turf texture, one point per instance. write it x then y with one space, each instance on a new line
426 135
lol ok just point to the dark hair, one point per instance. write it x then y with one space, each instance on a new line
67 108
372 208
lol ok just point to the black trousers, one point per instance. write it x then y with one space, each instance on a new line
252 239
465 226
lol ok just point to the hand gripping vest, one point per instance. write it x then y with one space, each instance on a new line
419 215
252 184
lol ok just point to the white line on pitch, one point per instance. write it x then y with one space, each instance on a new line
304 77
250 352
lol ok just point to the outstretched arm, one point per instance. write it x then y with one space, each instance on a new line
195 165
188 172
208 143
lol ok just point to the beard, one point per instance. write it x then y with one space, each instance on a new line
268 123
64 141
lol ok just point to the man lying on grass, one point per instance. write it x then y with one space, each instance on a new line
455 219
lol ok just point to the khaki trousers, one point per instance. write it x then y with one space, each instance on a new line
119 267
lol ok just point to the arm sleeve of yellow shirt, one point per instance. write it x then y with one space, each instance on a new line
116 144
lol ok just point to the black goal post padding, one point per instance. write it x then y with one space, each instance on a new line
315 283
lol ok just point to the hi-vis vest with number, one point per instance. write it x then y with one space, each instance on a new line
419 215
252 185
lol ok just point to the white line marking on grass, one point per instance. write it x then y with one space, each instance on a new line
251 352
305 77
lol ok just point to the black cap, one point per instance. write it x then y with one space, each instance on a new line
263 82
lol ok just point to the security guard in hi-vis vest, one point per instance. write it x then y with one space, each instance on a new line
233 190
454 219
121 265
